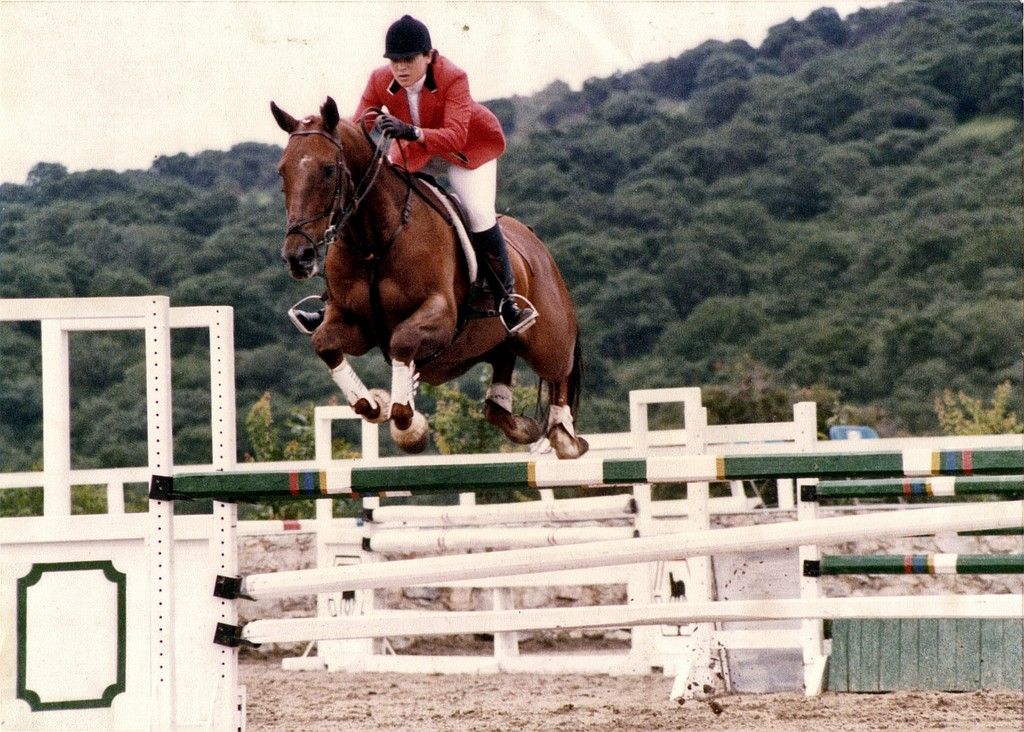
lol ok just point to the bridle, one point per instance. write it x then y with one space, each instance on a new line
342 175
340 211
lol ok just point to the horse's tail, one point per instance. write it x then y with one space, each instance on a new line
575 385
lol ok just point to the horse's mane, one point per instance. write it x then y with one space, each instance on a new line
355 128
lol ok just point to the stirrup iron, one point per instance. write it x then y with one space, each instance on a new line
523 324
296 308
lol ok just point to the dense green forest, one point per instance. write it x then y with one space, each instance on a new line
836 214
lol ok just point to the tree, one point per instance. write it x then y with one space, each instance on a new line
630 313
854 222
505 111
208 213
628 108
720 103
714 323
45 173
828 26
960 414
752 392
458 421
822 105
719 67
691 272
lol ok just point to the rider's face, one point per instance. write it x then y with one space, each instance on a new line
409 70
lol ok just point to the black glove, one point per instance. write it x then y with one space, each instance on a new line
396 128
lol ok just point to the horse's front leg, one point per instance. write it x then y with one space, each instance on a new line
339 335
419 336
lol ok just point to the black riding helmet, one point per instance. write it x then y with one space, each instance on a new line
406 37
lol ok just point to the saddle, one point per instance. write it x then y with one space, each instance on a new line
479 301
458 219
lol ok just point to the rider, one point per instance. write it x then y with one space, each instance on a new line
441 129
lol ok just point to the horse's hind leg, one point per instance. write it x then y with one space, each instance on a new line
560 431
519 428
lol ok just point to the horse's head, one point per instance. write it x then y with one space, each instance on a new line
315 179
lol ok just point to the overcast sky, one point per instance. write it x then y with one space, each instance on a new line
116 84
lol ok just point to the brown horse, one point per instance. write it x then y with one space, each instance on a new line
396 280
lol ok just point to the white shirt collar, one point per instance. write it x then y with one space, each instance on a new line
416 87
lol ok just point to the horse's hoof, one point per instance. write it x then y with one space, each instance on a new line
401 416
566 446
414 439
518 428
375 413
524 430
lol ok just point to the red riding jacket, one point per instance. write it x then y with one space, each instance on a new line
455 127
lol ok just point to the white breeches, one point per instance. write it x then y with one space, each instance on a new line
476 190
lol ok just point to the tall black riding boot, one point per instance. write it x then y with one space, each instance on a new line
491 244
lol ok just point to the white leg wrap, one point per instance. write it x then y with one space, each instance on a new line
350 384
404 381
560 415
500 394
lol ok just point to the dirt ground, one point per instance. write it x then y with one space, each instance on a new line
280 701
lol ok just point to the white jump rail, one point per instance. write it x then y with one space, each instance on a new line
615 616
411 572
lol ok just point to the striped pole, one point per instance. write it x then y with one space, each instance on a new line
939 486
916 564
550 473
664 547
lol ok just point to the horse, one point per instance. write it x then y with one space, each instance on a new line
397 280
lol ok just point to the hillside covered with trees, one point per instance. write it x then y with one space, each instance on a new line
835 214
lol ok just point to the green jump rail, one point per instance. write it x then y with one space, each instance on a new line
350 478
832 564
1003 485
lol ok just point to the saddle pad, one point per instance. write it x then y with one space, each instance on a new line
460 229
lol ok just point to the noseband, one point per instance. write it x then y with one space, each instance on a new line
339 211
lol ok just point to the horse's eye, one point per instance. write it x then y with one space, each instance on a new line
328 171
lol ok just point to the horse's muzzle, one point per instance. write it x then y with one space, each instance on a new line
301 262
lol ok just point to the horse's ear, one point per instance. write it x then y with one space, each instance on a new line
329 114
284 120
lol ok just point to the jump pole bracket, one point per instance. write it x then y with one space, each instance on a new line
809 493
161 488
231 636
230 588
812 568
